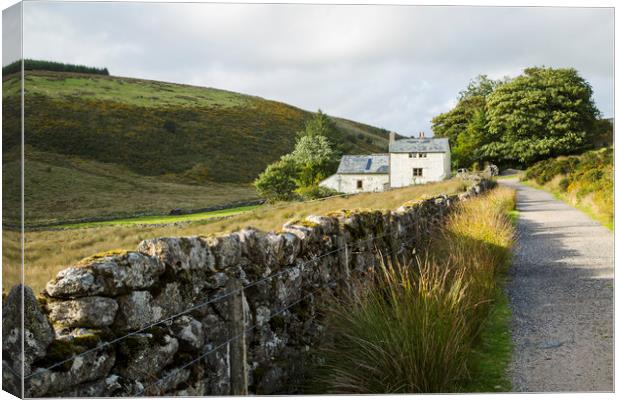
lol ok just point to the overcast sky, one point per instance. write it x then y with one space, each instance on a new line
390 66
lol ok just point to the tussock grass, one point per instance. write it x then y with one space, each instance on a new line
403 335
414 327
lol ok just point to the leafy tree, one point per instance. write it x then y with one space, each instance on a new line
480 86
315 157
470 140
278 181
543 113
312 159
319 125
464 125
322 125
452 123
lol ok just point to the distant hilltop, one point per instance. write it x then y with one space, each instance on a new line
42 65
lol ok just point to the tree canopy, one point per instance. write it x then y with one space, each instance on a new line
322 125
314 156
465 124
30 64
277 182
542 113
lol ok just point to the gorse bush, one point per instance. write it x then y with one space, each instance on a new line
413 327
586 180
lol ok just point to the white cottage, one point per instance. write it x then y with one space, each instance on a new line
360 174
416 161
410 161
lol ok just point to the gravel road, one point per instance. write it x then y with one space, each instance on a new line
561 292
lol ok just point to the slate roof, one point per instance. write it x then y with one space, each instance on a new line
425 145
366 164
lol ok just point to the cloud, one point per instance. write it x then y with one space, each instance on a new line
390 66
11 34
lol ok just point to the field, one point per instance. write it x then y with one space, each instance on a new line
160 219
59 189
49 251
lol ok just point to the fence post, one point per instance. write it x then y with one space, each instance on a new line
344 257
238 356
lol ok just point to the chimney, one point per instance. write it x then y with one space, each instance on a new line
392 137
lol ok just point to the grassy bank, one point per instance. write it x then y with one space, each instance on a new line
438 323
585 182
49 251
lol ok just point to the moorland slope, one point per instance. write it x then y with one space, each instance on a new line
105 145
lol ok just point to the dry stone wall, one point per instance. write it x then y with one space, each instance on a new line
159 320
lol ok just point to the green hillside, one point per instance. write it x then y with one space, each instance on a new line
140 138
155 128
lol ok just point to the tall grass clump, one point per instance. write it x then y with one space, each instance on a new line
412 329
477 240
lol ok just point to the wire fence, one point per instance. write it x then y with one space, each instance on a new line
227 342
211 300
245 331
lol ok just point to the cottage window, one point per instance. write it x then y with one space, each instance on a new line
411 155
417 172
422 155
359 184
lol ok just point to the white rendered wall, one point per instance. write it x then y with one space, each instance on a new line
447 167
331 182
347 183
435 167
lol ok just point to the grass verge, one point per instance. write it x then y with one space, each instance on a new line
491 353
490 356
602 218
434 324
584 181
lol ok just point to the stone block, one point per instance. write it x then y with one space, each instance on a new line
87 312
